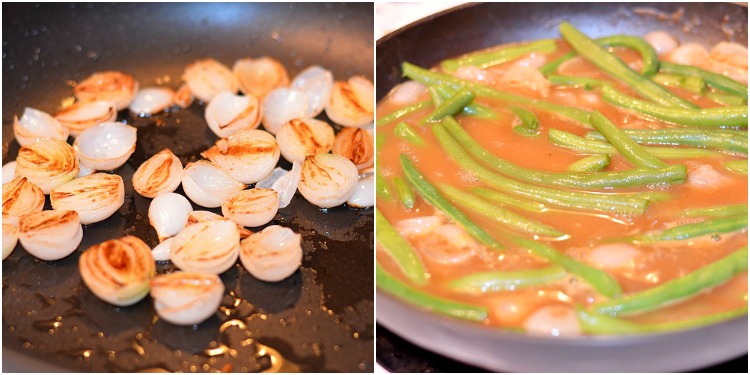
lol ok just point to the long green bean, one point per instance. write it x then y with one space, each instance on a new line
718 211
648 54
719 81
472 109
484 59
737 166
400 250
680 288
437 99
601 281
594 323
404 192
592 163
382 188
451 106
552 66
576 180
401 112
504 217
687 231
726 99
613 66
440 305
431 195
691 83
529 123
508 200
729 140
627 147
497 281
406 132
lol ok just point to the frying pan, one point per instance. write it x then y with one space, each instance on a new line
319 319
474 27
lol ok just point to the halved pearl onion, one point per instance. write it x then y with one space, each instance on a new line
553 320
247 156
161 173
201 216
207 184
259 76
116 87
50 235
446 244
208 77
356 145
183 97
407 93
282 105
269 180
327 180
613 256
10 239
48 163
106 146
287 184
317 83
151 100
364 194
9 172
21 197
161 251
300 138
211 246
272 254
352 103
418 225
228 113
35 125
118 271
168 214
83 115
251 208
662 41
688 54
186 298
95 197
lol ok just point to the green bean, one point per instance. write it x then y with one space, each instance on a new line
648 54
592 163
498 281
691 83
719 81
687 231
552 66
502 199
431 195
401 112
680 288
504 217
406 132
562 198
594 323
737 166
601 281
437 99
444 306
486 59
382 188
726 99
719 211
613 66
451 106
729 140
404 192
380 139
703 117
473 109
430 78
596 147
627 147
400 250
529 122
583 82
576 180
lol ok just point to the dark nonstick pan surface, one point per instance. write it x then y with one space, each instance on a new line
319 319
478 26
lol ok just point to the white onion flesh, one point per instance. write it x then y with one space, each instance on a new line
48 163
287 184
161 173
553 320
259 76
247 156
207 184
10 239
688 54
21 197
446 244
201 216
50 235
83 170
186 298
208 77
613 256
418 225
282 105
356 145
317 83
272 177
116 87
662 41
407 93
9 172
168 214
95 197
364 194
228 113
352 103
35 125
211 247
327 180
161 251
118 271
272 254
106 146
83 115
251 208
151 100
300 138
